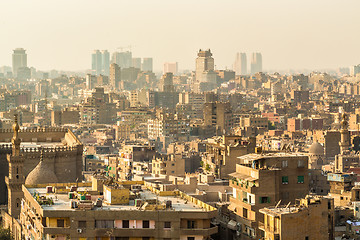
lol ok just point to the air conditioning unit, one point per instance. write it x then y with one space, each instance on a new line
79 230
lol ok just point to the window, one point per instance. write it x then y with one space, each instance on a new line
146 224
82 224
104 223
301 163
306 238
60 223
245 213
264 200
190 238
300 179
285 180
125 223
167 224
191 224
284 163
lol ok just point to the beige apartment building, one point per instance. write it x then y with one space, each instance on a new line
222 154
254 121
311 218
262 180
125 211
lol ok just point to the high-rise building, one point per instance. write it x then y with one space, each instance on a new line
240 64
136 63
96 62
256 63
100 62
19 60
204 64
123 59
354 70
170 67
91 81
166 83
115 75
219 116
105 62
147 65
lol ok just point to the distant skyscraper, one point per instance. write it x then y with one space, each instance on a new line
256 63
96 64
100 62
123 59
240 64
105 62
354 70
204 64
170 67
19 59
115 75
147 65
136 63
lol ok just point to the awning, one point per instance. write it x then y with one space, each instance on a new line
232 225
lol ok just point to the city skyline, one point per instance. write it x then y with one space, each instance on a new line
310 40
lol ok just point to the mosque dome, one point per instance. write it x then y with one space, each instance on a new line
316 149
41 174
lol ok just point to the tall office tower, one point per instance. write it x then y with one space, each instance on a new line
123 59
96 65
147 65
204 64
136 63
170 67
256 63
354 70
115 75
105 62
19 59
240 64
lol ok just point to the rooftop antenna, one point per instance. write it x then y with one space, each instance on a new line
277 205
288 206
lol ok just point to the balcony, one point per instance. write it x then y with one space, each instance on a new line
125 232
199 231
56 230
268 228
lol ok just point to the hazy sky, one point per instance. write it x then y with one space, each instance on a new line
289 33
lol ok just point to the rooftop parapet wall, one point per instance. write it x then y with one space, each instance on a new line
38 149
41 135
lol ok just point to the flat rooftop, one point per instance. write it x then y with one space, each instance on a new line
278 211
62 201
255 156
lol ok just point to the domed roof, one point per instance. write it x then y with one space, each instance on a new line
316 149
41 174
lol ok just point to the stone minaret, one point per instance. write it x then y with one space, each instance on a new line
16 179
345 136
